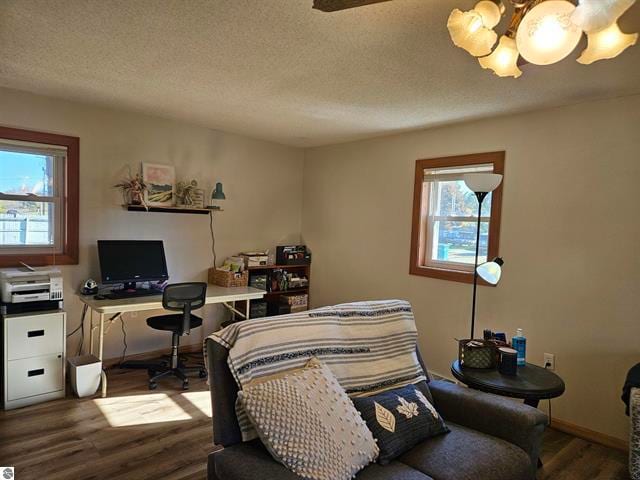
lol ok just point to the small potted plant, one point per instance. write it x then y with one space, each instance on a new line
132 189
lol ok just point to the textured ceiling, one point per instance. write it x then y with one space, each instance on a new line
278 70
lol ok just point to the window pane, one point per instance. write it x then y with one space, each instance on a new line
26 223
454 199
23 173
456 241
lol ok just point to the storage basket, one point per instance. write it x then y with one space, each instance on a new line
477 353
228 279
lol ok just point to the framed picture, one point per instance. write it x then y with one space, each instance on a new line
160 181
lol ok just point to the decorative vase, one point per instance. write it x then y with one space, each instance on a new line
136 198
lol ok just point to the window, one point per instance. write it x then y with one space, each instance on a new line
38 198
445 215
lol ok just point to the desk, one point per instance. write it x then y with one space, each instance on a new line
115 308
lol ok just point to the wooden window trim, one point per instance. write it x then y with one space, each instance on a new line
70 242
416 266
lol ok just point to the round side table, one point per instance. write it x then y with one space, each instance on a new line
532 383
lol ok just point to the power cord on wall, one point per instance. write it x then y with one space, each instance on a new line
80 328
546 366
213 238
124 339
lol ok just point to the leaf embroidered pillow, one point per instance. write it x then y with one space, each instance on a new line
307 422
400 419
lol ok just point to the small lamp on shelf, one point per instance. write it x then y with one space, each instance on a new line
216 196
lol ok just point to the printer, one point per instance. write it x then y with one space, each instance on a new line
29 289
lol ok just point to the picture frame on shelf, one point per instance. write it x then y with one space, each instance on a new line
198 198
161 184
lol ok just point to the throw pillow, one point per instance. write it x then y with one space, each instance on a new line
400 419
308 423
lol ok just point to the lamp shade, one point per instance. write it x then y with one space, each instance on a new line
491 272
595 15
218 194
482 182
607 43
468 31
546 34
504 59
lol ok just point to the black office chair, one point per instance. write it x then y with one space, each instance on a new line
182 297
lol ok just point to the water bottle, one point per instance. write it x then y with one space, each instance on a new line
519 344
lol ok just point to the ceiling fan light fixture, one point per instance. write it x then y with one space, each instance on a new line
468 32
504 59
607 43
546 34
594 15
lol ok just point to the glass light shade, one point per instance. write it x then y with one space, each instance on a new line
607 43
468 32
504 59
546 34
594 15
491 272
491 12
482 182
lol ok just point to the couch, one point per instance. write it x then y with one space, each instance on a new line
491 438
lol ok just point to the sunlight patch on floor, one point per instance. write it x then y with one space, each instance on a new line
200 400
141 410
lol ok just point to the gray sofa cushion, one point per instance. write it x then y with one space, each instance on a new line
251 461
465 454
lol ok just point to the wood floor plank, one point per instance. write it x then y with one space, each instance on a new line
167 434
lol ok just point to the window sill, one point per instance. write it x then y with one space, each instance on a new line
446 274
37 260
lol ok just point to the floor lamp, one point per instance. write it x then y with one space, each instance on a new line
481 184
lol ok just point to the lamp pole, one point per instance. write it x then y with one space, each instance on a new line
480 196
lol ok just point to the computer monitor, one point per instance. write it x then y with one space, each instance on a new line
131 261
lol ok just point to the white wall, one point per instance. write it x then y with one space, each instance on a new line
262 181
570 239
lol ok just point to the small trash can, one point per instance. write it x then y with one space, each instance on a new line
85 374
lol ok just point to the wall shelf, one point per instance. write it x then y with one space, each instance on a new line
193 211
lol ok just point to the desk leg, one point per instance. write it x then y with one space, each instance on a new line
103 374
91 331
246 312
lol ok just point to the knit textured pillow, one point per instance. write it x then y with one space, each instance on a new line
400 419
308 423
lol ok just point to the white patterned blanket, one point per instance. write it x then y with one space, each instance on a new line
369 346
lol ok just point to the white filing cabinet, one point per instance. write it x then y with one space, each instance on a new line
33 355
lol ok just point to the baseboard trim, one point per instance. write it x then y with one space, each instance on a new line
112 362
589 435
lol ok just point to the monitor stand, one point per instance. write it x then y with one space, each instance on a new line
130 290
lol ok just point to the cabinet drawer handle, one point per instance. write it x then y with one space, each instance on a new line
35 333
35 373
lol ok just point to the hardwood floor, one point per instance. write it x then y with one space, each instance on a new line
137 434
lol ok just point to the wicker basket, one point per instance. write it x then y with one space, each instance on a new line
483 354
228 279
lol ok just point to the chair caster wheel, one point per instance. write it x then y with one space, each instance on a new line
202 374
185 385
153 385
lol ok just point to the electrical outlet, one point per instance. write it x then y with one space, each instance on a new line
550 361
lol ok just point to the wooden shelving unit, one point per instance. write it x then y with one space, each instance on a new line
193 211
273 297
